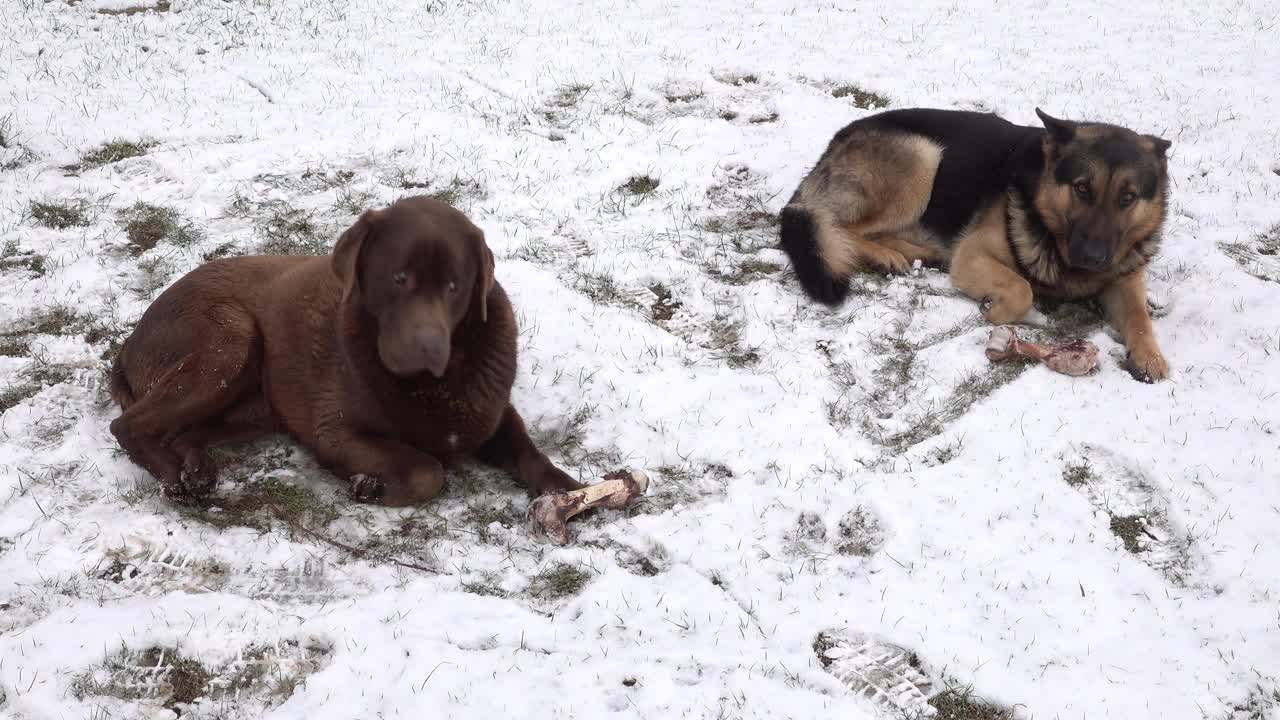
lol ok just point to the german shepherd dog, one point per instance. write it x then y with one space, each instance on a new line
1073 210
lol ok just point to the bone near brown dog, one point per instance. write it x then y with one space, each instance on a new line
549 514
391 359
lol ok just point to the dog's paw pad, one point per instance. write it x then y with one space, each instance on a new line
197 480
1141 376
184 492
1147 368
367 488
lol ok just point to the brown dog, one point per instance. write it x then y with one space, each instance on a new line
391 359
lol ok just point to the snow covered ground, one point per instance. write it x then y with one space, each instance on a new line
1057 547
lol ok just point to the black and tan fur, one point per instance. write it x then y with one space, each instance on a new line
1071 210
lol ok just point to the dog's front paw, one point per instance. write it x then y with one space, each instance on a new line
1002 310
1147 365
198 475
367 488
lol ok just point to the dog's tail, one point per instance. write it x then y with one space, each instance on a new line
799 240
120 389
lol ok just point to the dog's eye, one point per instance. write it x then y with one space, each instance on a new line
1127 198
1082 189
400 279
453 286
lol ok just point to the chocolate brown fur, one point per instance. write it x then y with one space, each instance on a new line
1073 210
390 360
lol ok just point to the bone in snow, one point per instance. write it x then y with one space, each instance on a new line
1078 357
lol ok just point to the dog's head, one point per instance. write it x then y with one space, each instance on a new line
417 268
1103 190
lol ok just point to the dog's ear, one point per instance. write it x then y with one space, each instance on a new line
346 252
1161 145
484 278
1060 132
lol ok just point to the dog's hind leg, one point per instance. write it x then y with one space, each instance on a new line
196 388
911 247
866 186
248 419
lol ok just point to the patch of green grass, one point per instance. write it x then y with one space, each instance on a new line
1261 703
271 671
352 202
749 219
960 703
456 190
536 250
600 287
1268 242
894 381
568 95
479 519
682 484
1264 244
1067 320
1079 474
160 6
22 157
53 320
1260 256
841 409
1131 529
283 229
147 225
640 185
14 346
747 271
155 273
61 214
860 533
862 98
726 342
226 249
969 391
258 503
944 454
486 584
558 580
412 542
15 154
318 178
568 438
408 181
158 674
684 97
47 373
114 151
15 395
665 306
8 139
649 564
12 258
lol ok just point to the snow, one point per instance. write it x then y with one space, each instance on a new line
762 419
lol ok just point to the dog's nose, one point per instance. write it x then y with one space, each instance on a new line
1090 255
434 351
